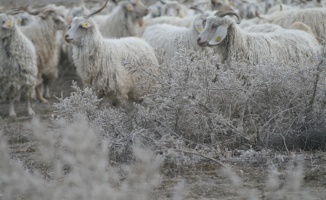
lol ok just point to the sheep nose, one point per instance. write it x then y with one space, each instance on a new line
198 39
67 38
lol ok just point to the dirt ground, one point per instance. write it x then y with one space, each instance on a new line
201 182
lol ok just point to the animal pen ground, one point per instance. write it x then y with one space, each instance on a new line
210 131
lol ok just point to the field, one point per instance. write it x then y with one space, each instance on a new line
208 132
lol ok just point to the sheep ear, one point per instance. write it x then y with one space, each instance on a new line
219 35
129 7
8 24
86 25
199 25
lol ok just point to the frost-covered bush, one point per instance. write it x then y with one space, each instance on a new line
280 184
74 163
205 107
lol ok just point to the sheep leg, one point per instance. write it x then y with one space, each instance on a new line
39 94
30 110
12 112
46 91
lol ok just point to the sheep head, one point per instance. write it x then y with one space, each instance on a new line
81 27
134 11
57 17
216 29
269 4
80 30
219 5
135 8
7 25
172 8
51 13
252 9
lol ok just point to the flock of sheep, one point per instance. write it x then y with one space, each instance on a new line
99 38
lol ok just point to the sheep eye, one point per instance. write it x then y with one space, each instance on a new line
214 26
69 27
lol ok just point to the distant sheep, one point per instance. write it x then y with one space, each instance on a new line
125 20
100 61
155 10
313 17
262 28
282 46
212 5
164 36
176 21
18 68
173 8
248 10
43 33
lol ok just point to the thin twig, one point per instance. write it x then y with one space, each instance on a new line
201 155
312 101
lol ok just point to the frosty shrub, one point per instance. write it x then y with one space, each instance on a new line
76 165
199 111
203 107
285 184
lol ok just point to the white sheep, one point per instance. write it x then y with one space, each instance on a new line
212 5
173 20
155 10
284 47
125 20
100 62
173 8
24 18
266 28
43 33
75 11
262 28
18 68
269 4
176 21
248 10
313 17
164 36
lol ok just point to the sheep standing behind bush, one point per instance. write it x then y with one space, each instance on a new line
313 17
18 69
285 46
125 20
164 36
43 33
100 62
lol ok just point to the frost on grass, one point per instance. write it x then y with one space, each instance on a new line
287 184
75 164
